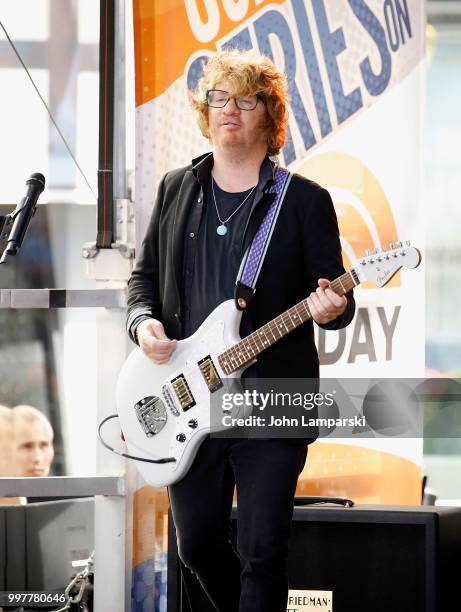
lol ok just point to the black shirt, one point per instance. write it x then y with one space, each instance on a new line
212 261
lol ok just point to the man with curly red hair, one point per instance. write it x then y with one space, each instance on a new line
204 218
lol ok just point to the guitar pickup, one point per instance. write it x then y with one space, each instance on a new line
183 393
210 374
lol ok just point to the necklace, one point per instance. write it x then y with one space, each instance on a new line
221 230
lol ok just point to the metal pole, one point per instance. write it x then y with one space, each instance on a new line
120 192
110 270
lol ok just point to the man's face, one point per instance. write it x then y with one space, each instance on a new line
32 447
232 128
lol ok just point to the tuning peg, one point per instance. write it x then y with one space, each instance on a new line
368 254
391 246
399 245
408 242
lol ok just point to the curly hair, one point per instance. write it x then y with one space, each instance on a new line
248 73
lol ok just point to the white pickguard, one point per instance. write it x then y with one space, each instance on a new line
140 378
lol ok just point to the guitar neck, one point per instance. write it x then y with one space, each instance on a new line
245 351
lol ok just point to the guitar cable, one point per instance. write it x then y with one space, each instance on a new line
115 416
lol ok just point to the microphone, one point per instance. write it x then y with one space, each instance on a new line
23 213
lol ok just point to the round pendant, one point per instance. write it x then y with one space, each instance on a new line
221 230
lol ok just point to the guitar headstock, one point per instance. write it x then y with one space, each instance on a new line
380 265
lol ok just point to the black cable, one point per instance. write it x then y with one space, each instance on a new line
115 416
47 108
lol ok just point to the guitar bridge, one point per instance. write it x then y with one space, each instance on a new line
210 374
151 413
169 400
183 393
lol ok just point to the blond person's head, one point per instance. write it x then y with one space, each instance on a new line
246 73
32 442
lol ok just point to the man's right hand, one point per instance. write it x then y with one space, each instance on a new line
153 341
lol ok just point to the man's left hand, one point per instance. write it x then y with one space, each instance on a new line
325 305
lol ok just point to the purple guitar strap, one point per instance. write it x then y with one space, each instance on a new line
253 259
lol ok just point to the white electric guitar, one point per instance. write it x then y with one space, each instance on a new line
164 409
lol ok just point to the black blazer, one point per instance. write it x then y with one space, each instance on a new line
305 246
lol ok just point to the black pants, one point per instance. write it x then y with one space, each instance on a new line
265 473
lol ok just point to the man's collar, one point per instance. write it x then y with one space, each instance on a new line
202 166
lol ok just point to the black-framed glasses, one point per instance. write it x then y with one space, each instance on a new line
217 98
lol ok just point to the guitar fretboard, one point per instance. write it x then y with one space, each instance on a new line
245 351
